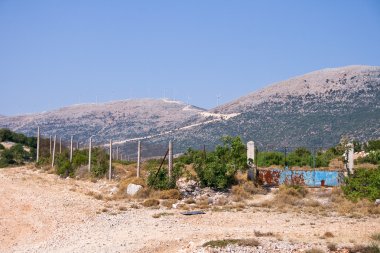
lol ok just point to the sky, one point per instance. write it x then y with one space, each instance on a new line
56 53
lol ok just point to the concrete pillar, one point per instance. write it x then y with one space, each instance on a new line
117 152
138 158
350 158
60 145
52 161
71 148
38 144
170 159
89 154
110 165
77 144
251 160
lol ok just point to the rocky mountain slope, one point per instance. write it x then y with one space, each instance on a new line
315 109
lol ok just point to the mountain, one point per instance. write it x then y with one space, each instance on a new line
123 121
315 109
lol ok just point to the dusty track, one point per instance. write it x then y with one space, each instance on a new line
40 212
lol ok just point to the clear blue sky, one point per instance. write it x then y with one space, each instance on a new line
57 53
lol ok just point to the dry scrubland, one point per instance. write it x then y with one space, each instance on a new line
41 212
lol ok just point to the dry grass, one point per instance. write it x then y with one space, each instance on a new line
365 249
239 193
245 190
225 242
355 210
151 203
96 195
314 250
123 208
327 235
202 203
221 201
158 215
168 194
376 237
263 234
135 206
190 201
332 246
168 203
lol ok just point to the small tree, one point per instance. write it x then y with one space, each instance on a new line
218 168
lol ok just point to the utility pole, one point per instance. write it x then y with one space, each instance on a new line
138 158
60 145
38 144
170 159
71 148
52 162
110 168
50 145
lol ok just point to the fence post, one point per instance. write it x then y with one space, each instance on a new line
89 155
170 159
117 152
52 162
50 145
138 158
38 144
60 145
110 165
71 148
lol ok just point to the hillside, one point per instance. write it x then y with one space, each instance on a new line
315 109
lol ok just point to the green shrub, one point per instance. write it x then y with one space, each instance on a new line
372 157
219 167
365 183
160 179
266 159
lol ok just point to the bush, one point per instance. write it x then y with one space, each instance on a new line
266 159
160 179
219 167
372 157
365 183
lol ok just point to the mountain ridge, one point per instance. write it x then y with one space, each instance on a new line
317 108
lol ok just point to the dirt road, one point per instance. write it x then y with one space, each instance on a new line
41 212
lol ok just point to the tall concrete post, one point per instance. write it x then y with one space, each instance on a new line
350 158
251 160
138 158
110 165
77 144
170 159
60 145
71 148
38 144
52 161
117 152
89 155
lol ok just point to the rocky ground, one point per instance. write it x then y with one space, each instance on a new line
41 212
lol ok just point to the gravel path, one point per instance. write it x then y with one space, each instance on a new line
42 213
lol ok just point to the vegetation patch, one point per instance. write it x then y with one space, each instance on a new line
225 242
151 203
365 183
158 215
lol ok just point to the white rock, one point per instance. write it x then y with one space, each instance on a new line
132 189
377 202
